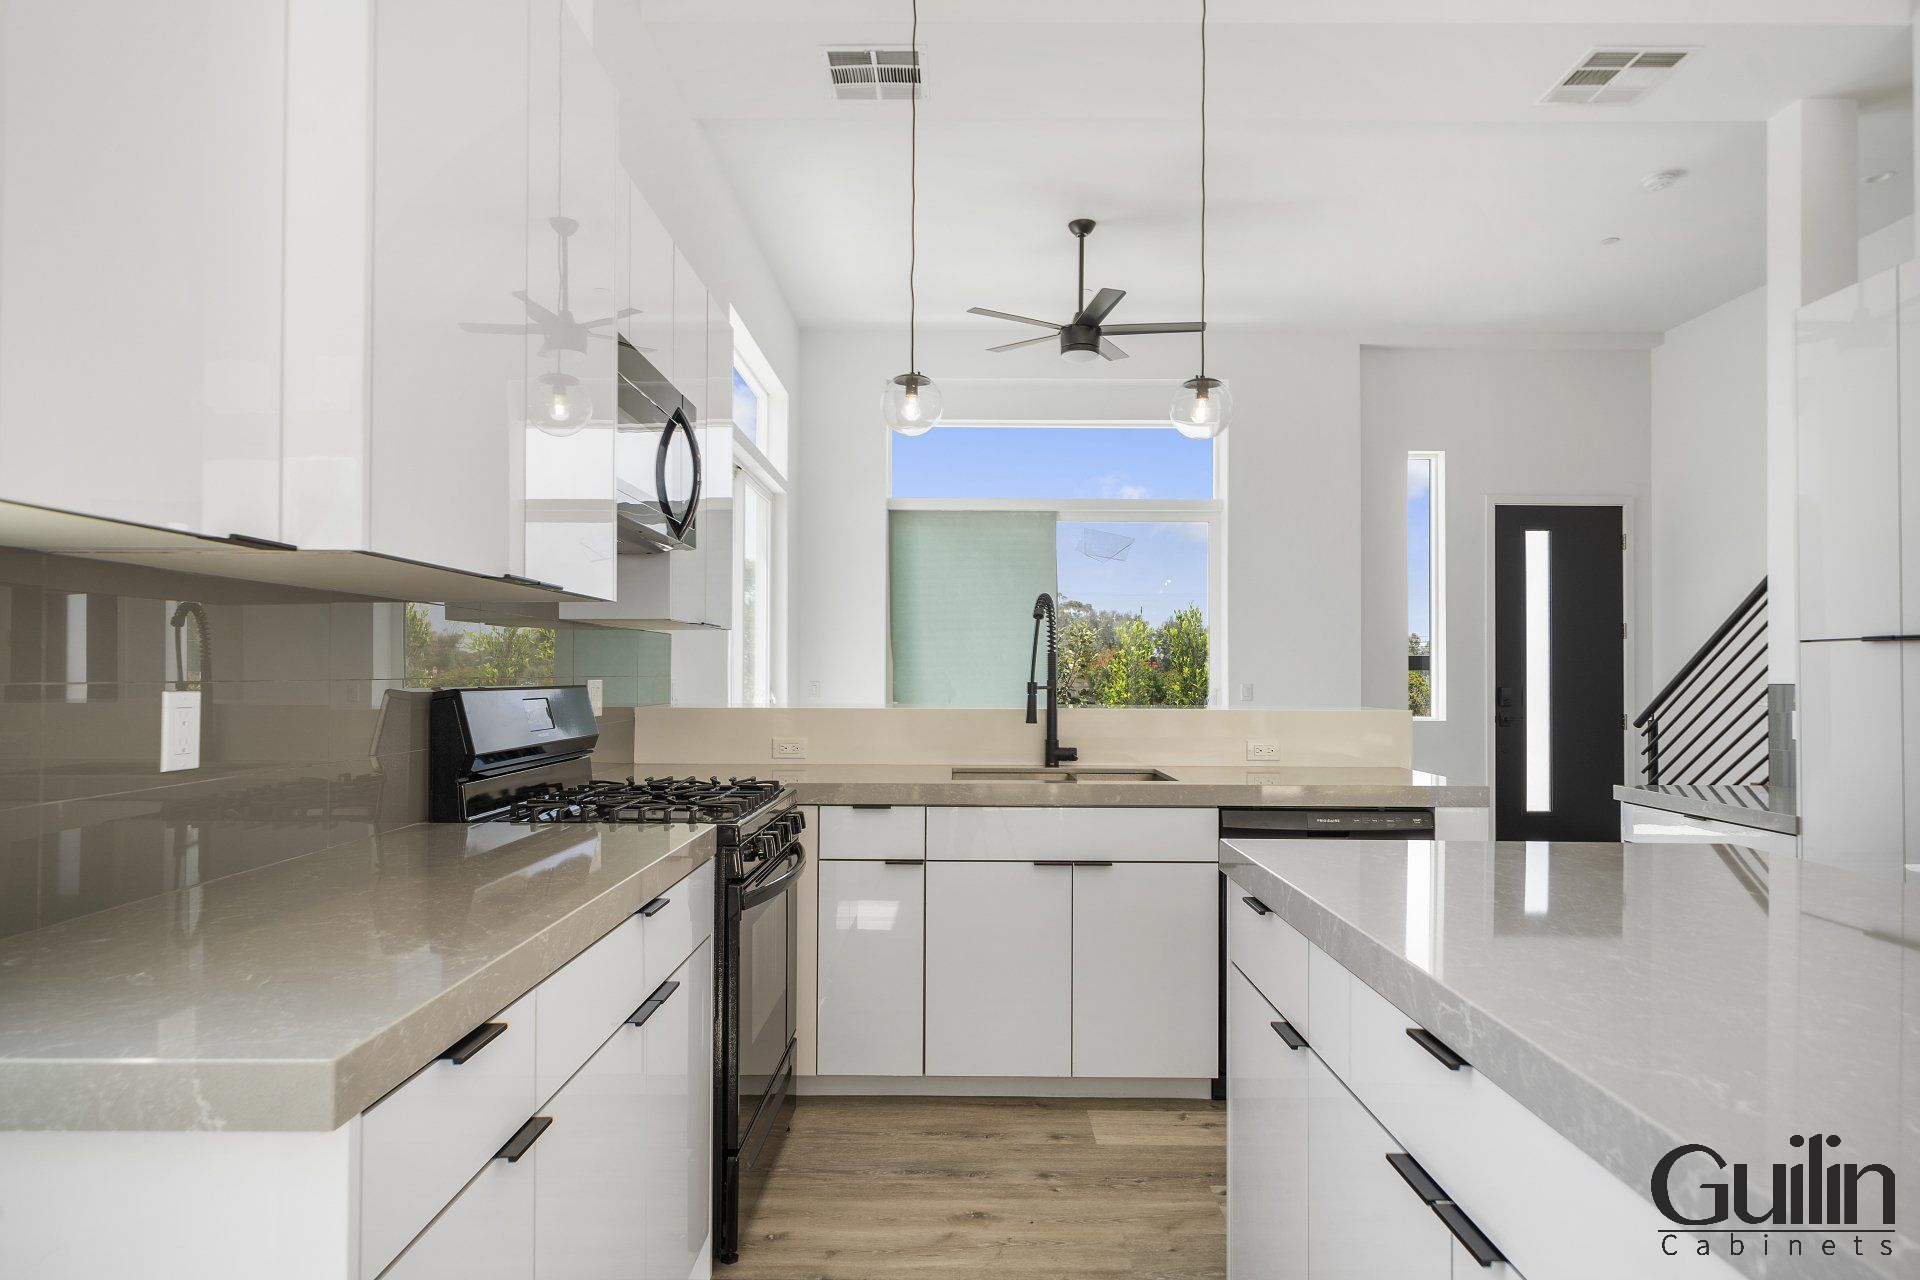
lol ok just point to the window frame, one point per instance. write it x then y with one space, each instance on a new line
1436 580
1211 512
761 463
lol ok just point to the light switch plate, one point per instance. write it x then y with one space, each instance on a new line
1263 750
179 730
1246 691
596 695
789 748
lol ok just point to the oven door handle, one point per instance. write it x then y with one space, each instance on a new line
753 895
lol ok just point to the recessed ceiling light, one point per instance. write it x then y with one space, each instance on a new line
1874 179
1662 180
1611 240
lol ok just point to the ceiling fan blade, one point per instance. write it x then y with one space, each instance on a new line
1110 351
1175 326
1024 342
1008 315
534 309
1103 303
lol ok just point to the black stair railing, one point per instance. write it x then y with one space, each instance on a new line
1709 725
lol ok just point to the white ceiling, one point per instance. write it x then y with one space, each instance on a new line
1373 174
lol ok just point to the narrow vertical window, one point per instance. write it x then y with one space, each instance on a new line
1425 572
1539 613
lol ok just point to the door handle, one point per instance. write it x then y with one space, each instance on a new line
1053 864
1093 864
653 908
1259 908
1292 1038
903 862
523 1139
1437 1047
473 1042
1435 1197
652 1004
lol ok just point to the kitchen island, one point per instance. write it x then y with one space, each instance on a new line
1538 1025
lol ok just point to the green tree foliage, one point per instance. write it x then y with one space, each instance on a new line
1419 683
438 659
1112 659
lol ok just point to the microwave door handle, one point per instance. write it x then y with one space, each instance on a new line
754 895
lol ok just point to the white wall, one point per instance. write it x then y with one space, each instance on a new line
1515 424
1293 527
1709 475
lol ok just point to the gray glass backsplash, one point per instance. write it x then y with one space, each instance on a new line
311 734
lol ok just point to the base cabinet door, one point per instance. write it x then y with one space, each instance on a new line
1267 1132
677 1194
485 1234
1146 960
1852 780
590 1207
872 968
1367 1222
999 969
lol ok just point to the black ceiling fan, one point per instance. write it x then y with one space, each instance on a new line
1086 336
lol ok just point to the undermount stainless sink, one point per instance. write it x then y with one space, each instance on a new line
1061 775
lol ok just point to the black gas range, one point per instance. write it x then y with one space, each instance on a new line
525 755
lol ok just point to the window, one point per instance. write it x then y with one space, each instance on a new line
1119 523
1426 560
747 398
755 624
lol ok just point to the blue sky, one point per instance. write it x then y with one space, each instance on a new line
1162 568
1419 525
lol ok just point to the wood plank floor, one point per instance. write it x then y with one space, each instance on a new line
1000 1188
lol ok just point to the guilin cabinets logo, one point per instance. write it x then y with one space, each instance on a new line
1820 1206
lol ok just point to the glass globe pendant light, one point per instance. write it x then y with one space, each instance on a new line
1202 405
561 405
910 403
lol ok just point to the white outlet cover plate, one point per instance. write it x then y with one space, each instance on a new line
789 748
596 696
179 730
1263 751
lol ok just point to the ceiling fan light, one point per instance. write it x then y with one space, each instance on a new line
911 404
1080 354
1201 407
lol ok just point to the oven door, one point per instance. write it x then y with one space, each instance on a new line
767 927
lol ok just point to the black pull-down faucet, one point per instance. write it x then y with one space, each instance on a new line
1055 753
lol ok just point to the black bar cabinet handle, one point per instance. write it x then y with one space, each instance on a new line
1093 864
523 1138
1888 639
869 808
1468 1233
903 862
473 1042
653 908
652 1004
1437 1047
1052 864
1429 1191
1293 1039
1259 908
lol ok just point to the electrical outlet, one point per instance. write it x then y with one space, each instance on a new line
813 688
1263 750
789 748
1246 691
596 695
179 731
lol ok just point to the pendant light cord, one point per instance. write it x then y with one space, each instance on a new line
913 195
1203 187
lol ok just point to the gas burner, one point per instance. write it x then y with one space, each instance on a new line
648 800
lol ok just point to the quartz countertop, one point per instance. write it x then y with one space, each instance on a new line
1639 996
292 996
1193 786
1768 808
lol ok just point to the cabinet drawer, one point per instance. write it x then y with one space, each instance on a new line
894 831
582 1003
421 1143
682 921
1272 954
1107 834
1551 1208
485 1234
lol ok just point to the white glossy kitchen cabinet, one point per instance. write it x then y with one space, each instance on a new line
1851 349
873 831
1145 970
590 1219
142 186
649 283
689 371
1113 833
1366 1222
678 1118
999 969
1853 738
485 1234
1268 1110
871 983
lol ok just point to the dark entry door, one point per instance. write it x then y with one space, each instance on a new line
1558 676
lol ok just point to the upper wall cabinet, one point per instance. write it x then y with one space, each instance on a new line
1850 412
649 326
141 164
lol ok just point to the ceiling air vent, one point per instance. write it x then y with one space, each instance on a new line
870 75
1614 77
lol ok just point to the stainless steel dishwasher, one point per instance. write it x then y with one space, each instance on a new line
1304 824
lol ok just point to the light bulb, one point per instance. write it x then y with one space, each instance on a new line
911 404
1201 407
561 405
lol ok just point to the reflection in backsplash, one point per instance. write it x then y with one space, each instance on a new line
313 727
